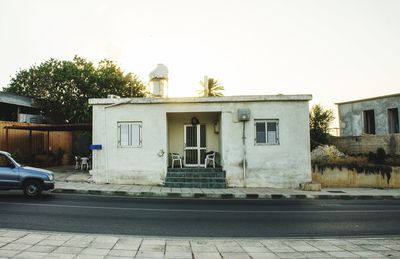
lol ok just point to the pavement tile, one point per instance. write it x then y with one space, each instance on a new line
178 255
59 237
51 242
280 249
17 247
29 255
152 248
40 248
250 243
68 250
329 248
76 243
89 257
317 243
60 256
174 248
316 255
178 242
149 254
393 247
368 254
290 255
204 255
360 242
391 254
230 249
126 253
204 249
153 242
256 249
95 251
8 252
262 255
350 247
236 255
305 248
132 247
375 247
7 239
343 254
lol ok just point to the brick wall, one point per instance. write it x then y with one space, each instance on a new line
368 143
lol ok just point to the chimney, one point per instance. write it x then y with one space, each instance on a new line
159 81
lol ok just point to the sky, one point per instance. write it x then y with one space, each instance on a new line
336 50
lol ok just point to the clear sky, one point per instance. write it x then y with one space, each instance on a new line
334 50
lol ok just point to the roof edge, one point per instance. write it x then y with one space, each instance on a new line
239 98
369 99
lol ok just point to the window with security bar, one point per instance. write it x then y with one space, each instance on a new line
130 134
266 132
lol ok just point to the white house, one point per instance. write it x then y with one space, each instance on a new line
269 132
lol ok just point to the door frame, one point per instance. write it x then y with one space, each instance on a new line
198 146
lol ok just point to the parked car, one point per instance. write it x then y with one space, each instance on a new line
30 179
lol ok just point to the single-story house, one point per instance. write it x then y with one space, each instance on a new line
377 115
269 132
18 108
368 124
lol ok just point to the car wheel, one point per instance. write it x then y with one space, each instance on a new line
32 188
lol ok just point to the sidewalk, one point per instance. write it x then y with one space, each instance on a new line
69 180
39 244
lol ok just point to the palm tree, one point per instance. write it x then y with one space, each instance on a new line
213 89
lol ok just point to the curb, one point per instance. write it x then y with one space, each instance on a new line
228 196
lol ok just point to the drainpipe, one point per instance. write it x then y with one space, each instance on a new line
244 153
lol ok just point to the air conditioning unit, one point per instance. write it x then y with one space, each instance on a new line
244 114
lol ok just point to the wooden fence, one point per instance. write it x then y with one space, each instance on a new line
18 141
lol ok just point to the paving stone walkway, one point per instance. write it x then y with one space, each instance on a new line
38 244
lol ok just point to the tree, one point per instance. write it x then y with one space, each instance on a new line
213 89
61 88
319 125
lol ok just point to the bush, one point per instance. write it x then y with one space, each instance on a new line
378 158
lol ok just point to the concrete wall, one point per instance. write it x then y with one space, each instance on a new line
347 177
283 165
351 115
368 143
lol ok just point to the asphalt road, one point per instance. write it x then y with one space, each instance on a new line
200 218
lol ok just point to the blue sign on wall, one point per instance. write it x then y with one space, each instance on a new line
95 147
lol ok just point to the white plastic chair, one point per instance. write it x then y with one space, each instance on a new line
85 162
176 157
210 156
77 165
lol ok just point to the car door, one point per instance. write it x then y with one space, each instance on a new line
9 173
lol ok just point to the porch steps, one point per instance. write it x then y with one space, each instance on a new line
196 178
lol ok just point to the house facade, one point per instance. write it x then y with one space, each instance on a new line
374 116
260 141
368 124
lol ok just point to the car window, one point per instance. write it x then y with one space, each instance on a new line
4 161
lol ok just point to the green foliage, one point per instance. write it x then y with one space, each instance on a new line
214 88
319 125
62 88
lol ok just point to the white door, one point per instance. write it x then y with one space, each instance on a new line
195 144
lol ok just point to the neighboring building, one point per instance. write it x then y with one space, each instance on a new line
378 115
18 108
368 124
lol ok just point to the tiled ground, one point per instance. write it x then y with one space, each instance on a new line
35 244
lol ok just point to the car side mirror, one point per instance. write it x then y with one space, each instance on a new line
11 165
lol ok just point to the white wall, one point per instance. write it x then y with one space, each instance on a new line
283 165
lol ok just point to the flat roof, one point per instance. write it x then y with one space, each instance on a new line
214 99
18 100
52 127
369 99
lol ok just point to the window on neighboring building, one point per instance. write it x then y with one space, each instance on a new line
369 122
266 132
393 120
129 134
